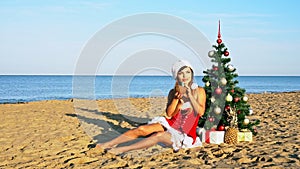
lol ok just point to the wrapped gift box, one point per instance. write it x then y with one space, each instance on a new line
212 136
245 136
216 137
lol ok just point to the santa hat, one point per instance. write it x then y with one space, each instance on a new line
178 65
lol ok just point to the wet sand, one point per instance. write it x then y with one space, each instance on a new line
61 134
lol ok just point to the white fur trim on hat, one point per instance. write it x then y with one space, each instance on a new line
178 65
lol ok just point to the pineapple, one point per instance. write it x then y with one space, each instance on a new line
231 135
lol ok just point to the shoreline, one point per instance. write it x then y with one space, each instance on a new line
70 99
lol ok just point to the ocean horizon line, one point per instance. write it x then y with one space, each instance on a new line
15 88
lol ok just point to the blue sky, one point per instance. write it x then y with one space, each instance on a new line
47 37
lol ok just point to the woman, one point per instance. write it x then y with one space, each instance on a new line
186 104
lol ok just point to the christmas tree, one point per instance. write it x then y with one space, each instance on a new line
226 103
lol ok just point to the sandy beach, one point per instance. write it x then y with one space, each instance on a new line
61 134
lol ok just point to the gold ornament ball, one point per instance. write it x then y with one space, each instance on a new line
211 53
245 98
246 121
230 68
250 111
212 99
217 110
229 98
223 81
207 84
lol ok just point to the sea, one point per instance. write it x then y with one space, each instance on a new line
28 88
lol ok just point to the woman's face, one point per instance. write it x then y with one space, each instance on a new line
185 76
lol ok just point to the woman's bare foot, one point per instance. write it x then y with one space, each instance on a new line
115 151
103 146
95 152
100 146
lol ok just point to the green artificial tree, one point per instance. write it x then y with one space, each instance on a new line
226 103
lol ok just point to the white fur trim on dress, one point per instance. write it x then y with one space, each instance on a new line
179 140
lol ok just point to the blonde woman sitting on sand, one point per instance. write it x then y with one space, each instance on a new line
186 104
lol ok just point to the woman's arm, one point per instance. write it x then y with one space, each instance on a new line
174 103
198 102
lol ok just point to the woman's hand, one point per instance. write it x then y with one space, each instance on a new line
180 89
197 99
189 92
178 95
174 103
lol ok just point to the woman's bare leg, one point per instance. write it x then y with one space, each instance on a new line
133 134
162 137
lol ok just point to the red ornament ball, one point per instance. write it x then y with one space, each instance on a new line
239 112
218 91
215 68
227 107
226 53
219 41
236 99
221 128
211 119
232 91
